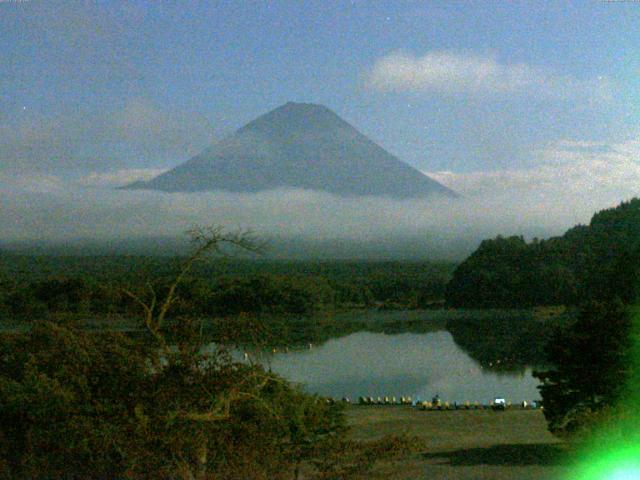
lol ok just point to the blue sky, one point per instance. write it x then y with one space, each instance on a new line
223 63
531 110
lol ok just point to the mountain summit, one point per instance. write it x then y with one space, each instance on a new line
298 145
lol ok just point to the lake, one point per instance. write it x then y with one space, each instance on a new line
405 353
405 364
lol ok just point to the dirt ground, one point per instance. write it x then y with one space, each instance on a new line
460 444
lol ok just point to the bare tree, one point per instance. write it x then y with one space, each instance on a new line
205 241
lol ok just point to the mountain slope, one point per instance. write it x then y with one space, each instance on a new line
303 146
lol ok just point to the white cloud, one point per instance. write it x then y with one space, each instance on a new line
451 73
36 183
118 178
572 180
564 167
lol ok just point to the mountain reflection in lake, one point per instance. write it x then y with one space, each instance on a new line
419 365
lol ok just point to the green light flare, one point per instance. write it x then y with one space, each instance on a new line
626 474
616 464
613 453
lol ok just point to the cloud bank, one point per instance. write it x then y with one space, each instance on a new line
452 73
572 168
574 180
120 177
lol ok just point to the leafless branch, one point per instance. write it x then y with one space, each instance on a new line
210 239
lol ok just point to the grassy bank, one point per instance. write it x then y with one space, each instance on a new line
460 444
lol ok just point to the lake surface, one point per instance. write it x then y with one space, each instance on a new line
405 364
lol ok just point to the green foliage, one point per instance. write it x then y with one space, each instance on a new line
63 403
269 294
37 287
591 359
80 405
161 404
503 342
598 261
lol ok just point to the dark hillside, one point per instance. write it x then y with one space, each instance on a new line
597 261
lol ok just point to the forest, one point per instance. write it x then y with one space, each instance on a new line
597 261
34 287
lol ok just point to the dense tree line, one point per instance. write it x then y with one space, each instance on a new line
597 261
216 293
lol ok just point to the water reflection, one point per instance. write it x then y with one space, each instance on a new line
419 365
